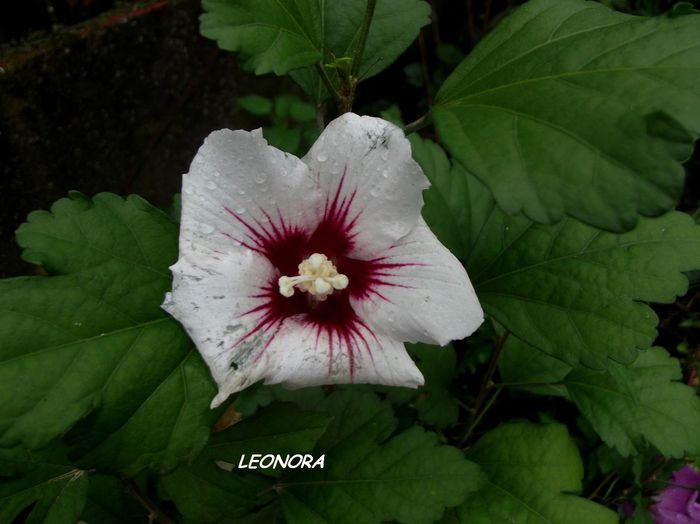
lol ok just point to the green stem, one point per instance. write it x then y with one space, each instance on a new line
528 384
155 514
327 81
360 50
481 414
486 386
417 125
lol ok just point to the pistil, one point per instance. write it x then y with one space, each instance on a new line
317 276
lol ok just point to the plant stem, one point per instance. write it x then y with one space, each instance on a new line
529 384
364 31
154 512
486 386
327 81
417 125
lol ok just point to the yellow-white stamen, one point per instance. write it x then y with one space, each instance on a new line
317 276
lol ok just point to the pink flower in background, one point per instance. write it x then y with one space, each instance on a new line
316 270
678 503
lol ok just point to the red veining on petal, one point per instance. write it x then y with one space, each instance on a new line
285 246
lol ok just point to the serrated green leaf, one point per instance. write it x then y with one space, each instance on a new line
395 25
628 406
279 428
574 291
284 35
526 368
273 36
642 402
533 473
409 479
570 108
250 399
93 342
205 493
46 481
571 290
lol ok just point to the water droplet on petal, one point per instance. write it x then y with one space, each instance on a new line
385 173
206 229
260 179
322 156
241 191
188 190
240 210
217 174
211 185
374 192
385 155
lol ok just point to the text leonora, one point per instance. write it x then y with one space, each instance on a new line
258 460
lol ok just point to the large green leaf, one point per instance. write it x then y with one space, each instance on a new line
395 25
571 290
271 35
204 492
570 108
524 367
628 406
367 479
533 473
279 428
283 35
93 342
643 402
55 490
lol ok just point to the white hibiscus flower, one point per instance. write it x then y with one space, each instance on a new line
314 271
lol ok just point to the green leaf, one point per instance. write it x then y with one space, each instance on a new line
250 399
409 478
395 25
282 35
533 474
205 493
55 490
570 108
628 406
526 368
279 428
109 503
256 105
435 402
445 210
643 402
571 290
273 36
93 342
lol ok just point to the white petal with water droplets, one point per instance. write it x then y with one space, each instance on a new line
239 186
427 296
300 356
211 292
381 178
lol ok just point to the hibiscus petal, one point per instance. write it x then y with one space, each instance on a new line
211 295
420 292
301 354
373 186
242 193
